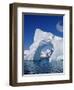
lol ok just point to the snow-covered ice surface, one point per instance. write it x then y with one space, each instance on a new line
45 55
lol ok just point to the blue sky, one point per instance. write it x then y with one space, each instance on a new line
44 22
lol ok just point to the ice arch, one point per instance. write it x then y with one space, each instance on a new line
41 40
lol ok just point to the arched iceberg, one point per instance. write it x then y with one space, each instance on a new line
42 39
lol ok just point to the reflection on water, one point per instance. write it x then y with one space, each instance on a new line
42 66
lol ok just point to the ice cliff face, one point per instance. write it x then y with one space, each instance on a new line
40 35
42 39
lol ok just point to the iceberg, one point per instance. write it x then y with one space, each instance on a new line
41 40
41 35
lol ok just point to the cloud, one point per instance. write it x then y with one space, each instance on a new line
59 27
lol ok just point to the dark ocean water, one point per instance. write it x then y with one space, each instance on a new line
42 66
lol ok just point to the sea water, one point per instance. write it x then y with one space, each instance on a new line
43 66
